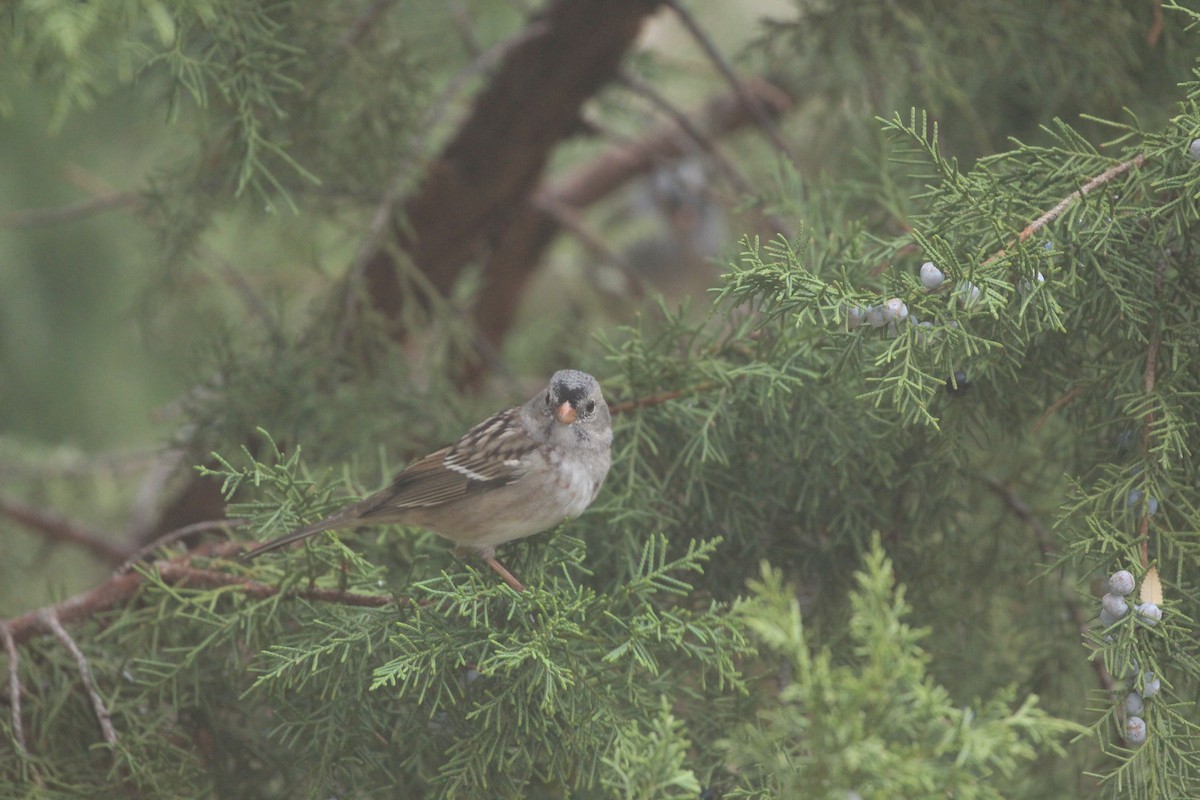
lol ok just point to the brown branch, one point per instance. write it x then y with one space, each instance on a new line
179 533
14 686
1149 377
472 193
60 529
183 575
1064 204
659 399
176 571
1044 539
516 254
363 23
1057 405
49 618
571 220
732 174
610 170
42 217
761 115
1156 26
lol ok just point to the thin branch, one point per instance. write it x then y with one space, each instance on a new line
177 571
60 529
761 116
1061 208
1058 404
659 399
364 23
42 217
1156 27
385 212
181 574
1149 377
571 220
1026 514
610 170
49 618
179 533
732 174
14 686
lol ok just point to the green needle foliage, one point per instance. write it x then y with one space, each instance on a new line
875 725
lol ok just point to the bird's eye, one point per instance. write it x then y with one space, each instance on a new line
590 407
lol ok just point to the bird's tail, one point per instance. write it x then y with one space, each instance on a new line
329 523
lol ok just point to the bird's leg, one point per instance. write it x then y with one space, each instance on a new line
499 569
489 557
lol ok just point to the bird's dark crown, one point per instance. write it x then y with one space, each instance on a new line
571 386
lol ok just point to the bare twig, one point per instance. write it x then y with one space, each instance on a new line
610 170
1058 404
179 533
42 217
571 220
1149 377
732 174
751 103
59 529
1156 27
385 213
1027 515
364 23
50 619
181 574
176 571
14 686
1064 204
658 399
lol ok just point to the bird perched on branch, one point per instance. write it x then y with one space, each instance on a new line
515 474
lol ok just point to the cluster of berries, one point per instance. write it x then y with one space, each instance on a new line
1113 607
894 311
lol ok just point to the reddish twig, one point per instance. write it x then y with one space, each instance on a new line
42 217
175 571
177 534
1149 377
733 175
1053 408
49 618
1064 204
364 23
1027 515
658 399
1156 27
59 529
14 686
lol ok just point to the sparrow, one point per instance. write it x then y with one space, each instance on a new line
515 474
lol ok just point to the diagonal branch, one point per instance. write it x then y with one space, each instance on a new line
176 571
1026 514
59 529
759 112
1063 205
14 686
49 618
471 193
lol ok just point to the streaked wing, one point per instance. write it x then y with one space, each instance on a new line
490 454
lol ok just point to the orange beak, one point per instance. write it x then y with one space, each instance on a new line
565 413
